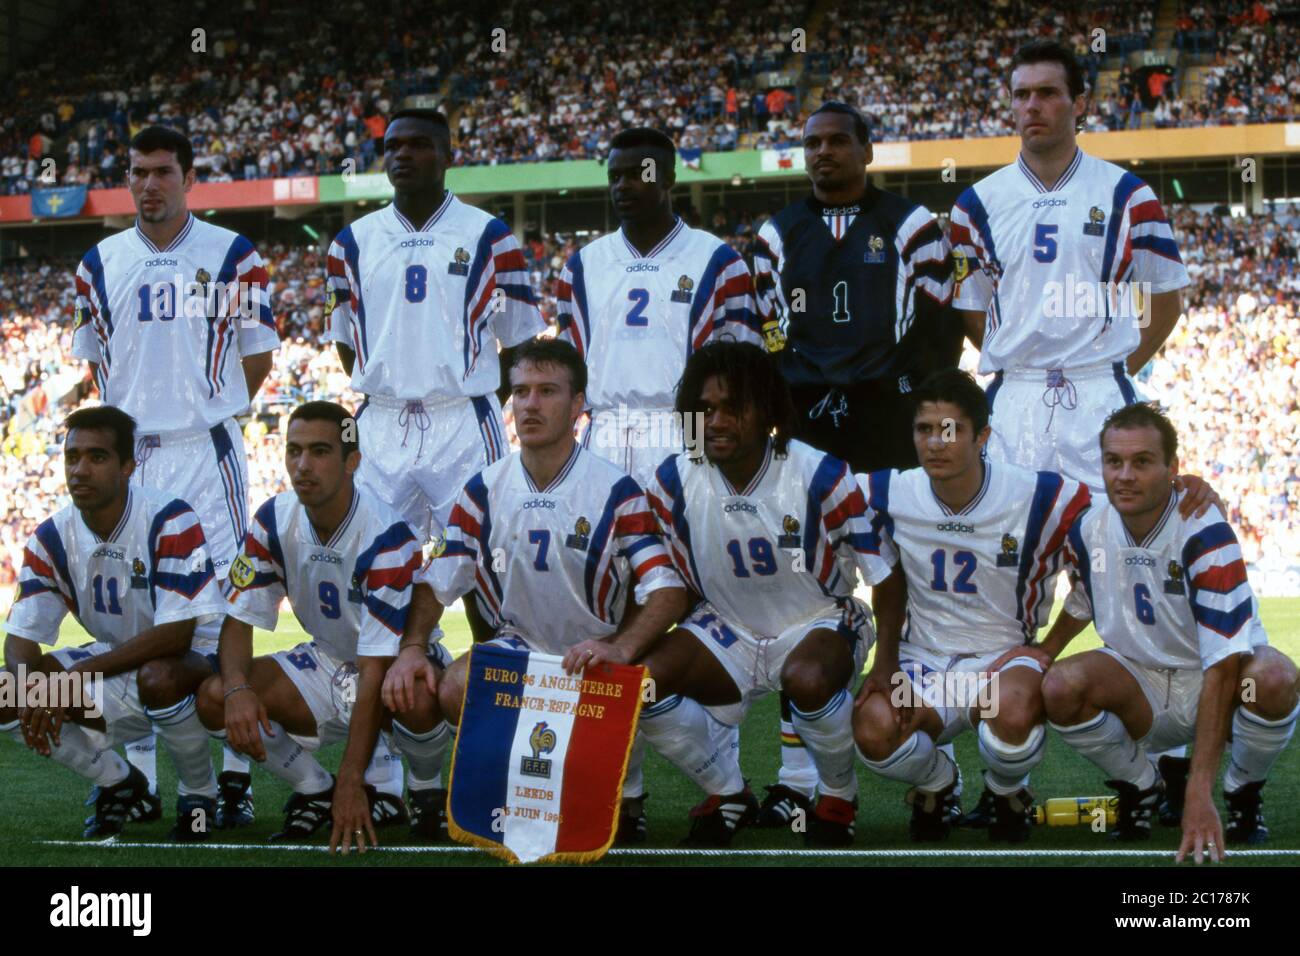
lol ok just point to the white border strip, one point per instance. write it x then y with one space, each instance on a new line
113 844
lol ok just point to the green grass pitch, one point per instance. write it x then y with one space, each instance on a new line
41 803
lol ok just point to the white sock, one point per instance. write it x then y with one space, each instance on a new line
949 751
385 770
143 755
288 760
1256 745
1009 764
918 762
424 754
798 770
634 782
233 761
187 741
682 732
82 755
1105 742
828 734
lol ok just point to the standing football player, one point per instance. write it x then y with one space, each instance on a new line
132 566
1052 255
345 561
173 316
1185 656
636 304
854 290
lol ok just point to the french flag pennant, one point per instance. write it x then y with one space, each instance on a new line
537 771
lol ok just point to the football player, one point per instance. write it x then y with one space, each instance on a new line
1185 656
132 566
549 540
173 316
771 534
975 546
345 561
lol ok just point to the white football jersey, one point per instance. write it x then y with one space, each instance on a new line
1045 265
169 327
153 569
423 307
1177 599
636 319
553 564
979 579
350 593
777 553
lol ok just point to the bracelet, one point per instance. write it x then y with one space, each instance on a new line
406 644
236 690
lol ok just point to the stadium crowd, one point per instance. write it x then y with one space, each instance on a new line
268 92
1230 373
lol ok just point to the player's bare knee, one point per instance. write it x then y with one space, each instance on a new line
807 685
211 704
874 728
450 694
1269 687
157 684
1064 694
425 712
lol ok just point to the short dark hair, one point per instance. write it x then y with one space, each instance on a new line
1051 51
164 137
110 418
647 138
544 350
331 412
442 129
861 128
1144 415
955 387
752 378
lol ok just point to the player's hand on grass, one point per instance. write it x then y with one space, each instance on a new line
352 823
593 652
1198 497
245 712
41 726
411 667
1202 831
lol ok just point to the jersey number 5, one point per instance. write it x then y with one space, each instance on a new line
1045 242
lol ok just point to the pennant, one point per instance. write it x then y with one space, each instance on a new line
537 770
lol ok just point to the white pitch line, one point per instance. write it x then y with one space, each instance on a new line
673 851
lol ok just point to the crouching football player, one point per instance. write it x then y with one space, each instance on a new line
576 537
1185 654
345 560
131 564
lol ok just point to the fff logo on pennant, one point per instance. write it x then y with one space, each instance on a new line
542 740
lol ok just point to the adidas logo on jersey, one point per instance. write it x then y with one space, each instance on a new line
539 503
408 243
150 263
643 267
740 506
1041 203
327 558
1139 560
107 552
955 526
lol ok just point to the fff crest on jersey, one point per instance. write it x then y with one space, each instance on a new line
875 254
683 292
242 572
459 265
1096 224
203 277
1009 555
542 741
138 579
1174 583
790 533
354 589
773 337
581 536
960 265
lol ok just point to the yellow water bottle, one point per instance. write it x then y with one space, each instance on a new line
1075 811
